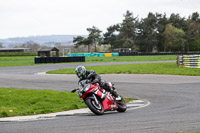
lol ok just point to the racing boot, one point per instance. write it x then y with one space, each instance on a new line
115 94
111 90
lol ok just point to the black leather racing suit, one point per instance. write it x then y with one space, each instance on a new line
95 78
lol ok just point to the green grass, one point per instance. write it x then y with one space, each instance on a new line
19 102
128 99
149 68
16 61
130 58
29 60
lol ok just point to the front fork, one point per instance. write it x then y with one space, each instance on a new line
95 98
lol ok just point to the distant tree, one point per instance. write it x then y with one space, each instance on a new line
110 37
1 45
94 38
179 40
193 30
155 32
127 32
174 38
168 35
160 28
177 21
195 45
31 45
78 41
147 33
195 17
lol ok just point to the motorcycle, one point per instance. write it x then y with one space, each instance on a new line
97 99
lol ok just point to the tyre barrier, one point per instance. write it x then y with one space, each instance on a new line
189 61
59 59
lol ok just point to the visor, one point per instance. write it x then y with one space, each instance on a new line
79 74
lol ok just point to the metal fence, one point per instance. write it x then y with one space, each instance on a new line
189 61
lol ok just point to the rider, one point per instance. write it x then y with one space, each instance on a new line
93 77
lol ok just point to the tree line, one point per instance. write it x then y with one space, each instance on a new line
155 33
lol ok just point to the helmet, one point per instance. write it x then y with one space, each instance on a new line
80 71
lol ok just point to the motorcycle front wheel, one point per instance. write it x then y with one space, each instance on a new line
121 105
96 108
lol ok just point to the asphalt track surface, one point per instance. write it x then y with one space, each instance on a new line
174 102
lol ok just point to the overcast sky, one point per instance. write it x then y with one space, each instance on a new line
20 18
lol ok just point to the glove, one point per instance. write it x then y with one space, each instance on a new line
88 81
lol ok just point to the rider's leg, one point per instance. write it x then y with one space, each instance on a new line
106 86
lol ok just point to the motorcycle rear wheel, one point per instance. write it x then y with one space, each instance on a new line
121 105
94 107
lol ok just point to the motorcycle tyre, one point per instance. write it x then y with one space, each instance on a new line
121 106
90 105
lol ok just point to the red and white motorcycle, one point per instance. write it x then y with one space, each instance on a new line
97 99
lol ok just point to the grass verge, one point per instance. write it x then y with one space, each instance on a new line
19 102
130 58
16 61
149 68
29 60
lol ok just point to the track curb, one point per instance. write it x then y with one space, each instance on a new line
136 104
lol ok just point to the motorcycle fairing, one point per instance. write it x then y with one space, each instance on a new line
108 103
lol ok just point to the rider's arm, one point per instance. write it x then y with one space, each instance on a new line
94 77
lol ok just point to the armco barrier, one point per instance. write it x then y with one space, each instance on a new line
108 54
59 59
95 54
189 61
